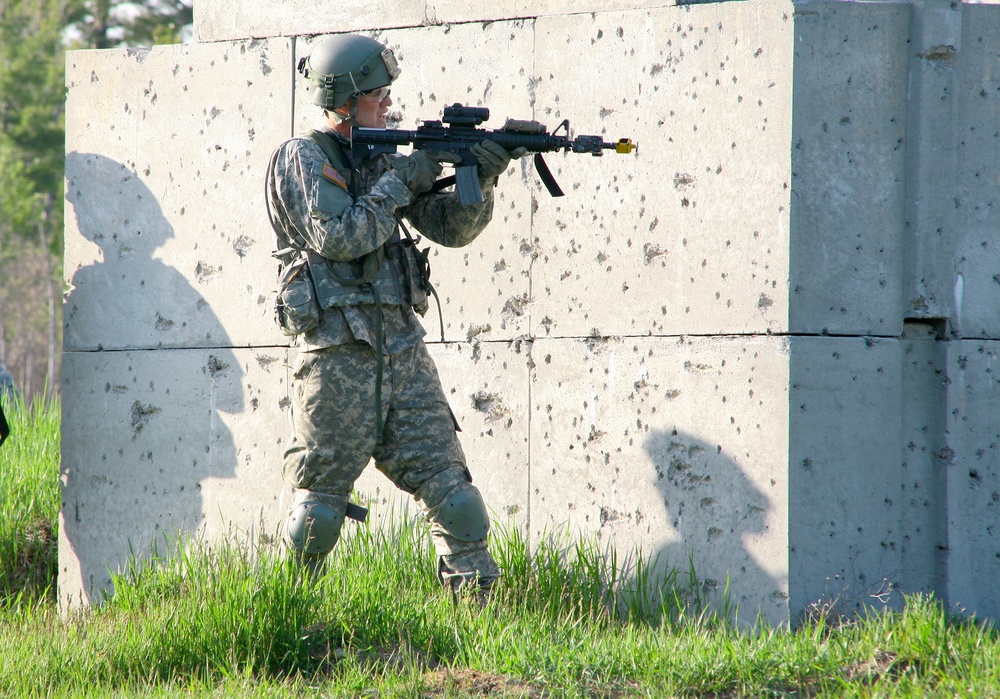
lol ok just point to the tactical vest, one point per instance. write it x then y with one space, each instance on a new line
391 275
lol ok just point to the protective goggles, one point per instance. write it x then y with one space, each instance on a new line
378 95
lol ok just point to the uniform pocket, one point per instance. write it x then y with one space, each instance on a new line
416 269
295 308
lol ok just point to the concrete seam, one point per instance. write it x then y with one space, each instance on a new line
531 267
695 335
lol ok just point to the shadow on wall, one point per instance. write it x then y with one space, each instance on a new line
141 424
720 522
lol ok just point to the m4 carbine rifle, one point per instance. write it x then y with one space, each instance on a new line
461 134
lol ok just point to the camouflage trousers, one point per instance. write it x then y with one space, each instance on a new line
333 424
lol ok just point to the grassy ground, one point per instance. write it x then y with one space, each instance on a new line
564 623
29 501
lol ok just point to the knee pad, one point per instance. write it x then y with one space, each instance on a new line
462 513
314 523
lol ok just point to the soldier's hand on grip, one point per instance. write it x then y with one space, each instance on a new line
420 170
493 158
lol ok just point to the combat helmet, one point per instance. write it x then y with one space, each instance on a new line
341 68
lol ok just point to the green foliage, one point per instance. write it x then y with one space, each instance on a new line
32 132
17 193
162 22
103 24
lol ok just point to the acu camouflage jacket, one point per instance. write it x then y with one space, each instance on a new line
314 211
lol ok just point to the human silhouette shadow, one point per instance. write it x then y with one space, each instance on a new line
720 521
141 425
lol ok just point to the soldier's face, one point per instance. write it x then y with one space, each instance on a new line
372 108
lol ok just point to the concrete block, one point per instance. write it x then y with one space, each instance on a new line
164 444
218 21
458 11
931 159
221 21
676 447
924 490
848 157
167 244
973 476
845 440
975 270
484 287
690 234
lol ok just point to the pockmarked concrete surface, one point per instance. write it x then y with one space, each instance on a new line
763 344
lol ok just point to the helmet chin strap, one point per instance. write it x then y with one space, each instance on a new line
353 102
351 118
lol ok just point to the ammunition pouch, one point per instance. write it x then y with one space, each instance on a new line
296 310
416 270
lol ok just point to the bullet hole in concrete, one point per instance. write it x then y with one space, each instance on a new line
204 271
242 244
215 365
140 415
491 404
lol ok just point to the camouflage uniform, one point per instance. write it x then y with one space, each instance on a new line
336 409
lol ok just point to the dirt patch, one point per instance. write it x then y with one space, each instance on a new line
471 683
439 681
444 682
882 664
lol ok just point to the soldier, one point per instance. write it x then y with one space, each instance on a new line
364 384
7 388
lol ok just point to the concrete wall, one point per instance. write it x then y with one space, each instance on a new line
761 344
892 443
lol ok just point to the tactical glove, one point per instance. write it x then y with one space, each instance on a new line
494 158
420 170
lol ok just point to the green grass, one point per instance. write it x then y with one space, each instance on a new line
565 622
29 502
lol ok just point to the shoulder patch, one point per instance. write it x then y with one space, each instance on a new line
330 173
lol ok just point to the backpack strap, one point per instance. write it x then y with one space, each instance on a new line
335 154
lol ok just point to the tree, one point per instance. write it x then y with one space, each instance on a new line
32 98
111 23
160 22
